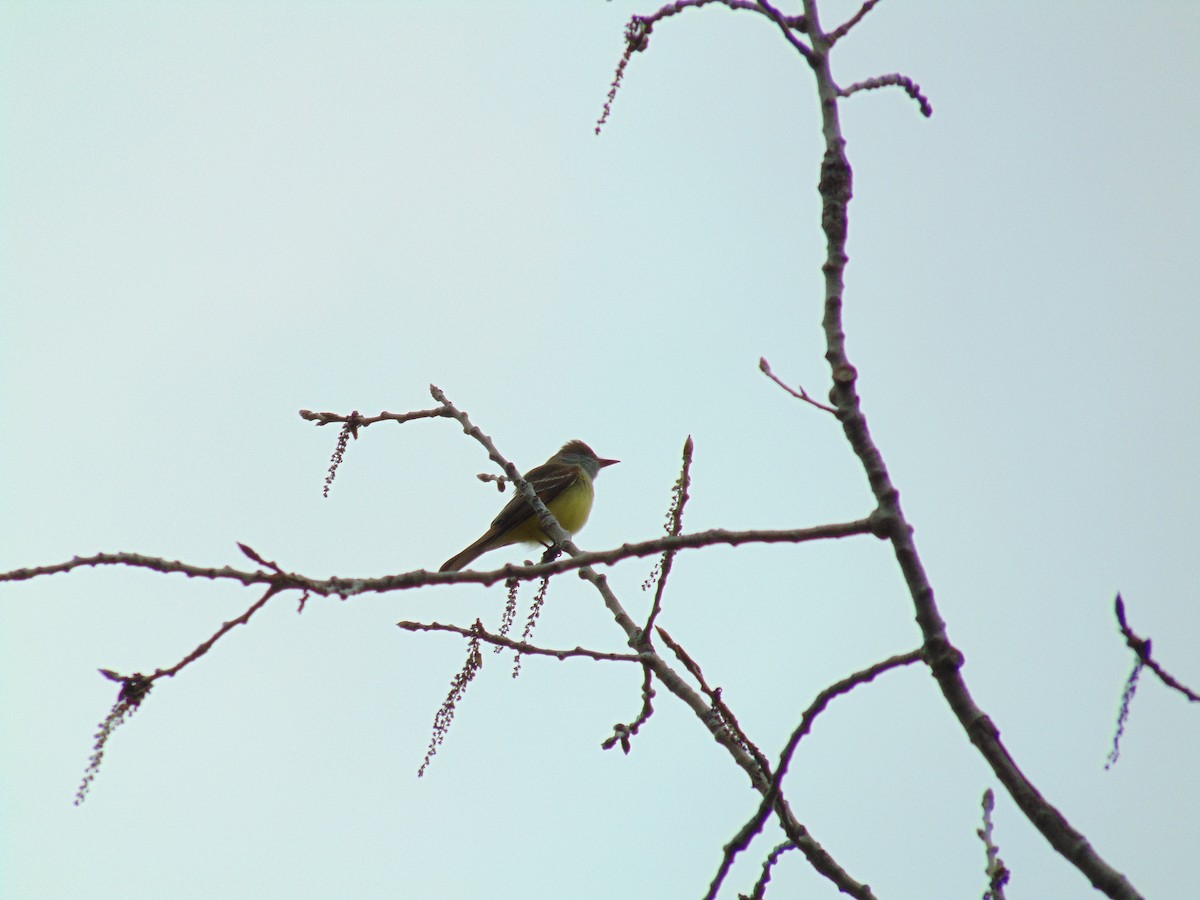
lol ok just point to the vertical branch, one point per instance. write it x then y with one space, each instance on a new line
944 659
997 873
674 528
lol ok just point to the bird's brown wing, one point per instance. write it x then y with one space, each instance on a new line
548 481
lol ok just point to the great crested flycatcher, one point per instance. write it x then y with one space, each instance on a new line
563 483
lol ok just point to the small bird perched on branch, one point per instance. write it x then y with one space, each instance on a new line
563 483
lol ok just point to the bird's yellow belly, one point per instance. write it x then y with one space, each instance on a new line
572 508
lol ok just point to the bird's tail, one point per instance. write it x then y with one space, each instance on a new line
468 555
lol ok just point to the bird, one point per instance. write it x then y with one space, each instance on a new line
563 483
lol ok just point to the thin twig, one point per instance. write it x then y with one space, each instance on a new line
226 627
788 29
759 891
673 528
798 392
359 421
842 30
997 873
138 561
500 640
724 713
893 80
622 732
639 28
796 23
1141 646
135 688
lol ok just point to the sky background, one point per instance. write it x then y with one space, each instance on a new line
213 215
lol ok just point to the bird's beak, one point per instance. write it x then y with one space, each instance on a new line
607 462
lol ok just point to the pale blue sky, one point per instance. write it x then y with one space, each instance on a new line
215 214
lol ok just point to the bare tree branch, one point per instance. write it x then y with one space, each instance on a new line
135 688
842 30
888 521
1141 646
787 28
638 29
522 647
944 659
622 733
818 857
759 891
346 587
639 640
755 825
673 527
798 392
138 561
727 718
1143 660
356 421
895 79
997 873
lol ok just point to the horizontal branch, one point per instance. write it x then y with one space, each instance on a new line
895 79
346 587
137 560
712 537
355 420
500 640
796 23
